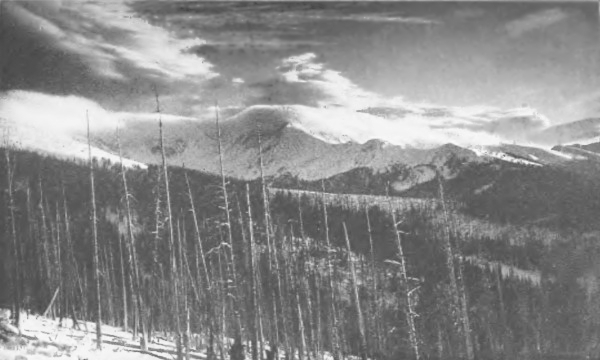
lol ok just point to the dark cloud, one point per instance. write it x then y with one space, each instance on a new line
98 51
455 54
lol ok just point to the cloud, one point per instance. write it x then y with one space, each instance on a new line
58 124
301 79
331 107
110 38
375 18
468 13
66 115
271 26
587 104
535 21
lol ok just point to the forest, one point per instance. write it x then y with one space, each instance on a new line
246 270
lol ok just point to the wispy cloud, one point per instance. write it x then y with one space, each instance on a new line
303 80
66 114
534 21
57 124
330 106
375 17
109 37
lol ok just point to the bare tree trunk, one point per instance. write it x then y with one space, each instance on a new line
171 236
43 244
285 298
309 309
59 261
410 313
237 347
375 308
184 289
265 198
133 270
457 288
96 267
223 298
202 256
305 285
16 281
51 252
335 343
318 311
361 321
253 297
109 280
197 230
72 271
188 333
259 310
303 348
155 292
59 264
282 307
506 344
123 286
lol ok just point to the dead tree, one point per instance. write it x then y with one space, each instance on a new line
72 269
237 348
174 281
361 321
134 272
96 267
265 198
197 231
253 294
375 308
16 281
123 285
201 255
335 343
457 287
409 310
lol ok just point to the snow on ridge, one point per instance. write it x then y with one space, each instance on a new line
507 271
503 156
61 146
340 125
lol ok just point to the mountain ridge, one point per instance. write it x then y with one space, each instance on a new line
299 141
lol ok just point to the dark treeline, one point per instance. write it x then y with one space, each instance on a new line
275 275
560 197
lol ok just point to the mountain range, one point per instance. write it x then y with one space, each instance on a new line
312 143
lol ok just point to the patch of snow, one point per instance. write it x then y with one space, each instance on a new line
503 156
483 189
507 271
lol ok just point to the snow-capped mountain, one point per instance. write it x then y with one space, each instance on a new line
293 142
316 143
303 141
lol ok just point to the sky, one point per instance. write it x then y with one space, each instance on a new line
58 57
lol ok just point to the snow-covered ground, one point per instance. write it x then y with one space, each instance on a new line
43 338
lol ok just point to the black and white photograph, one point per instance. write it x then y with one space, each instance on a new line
299 180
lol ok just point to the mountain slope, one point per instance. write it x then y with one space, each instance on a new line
305 142
287 146
298 141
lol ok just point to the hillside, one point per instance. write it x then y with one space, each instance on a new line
525 259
